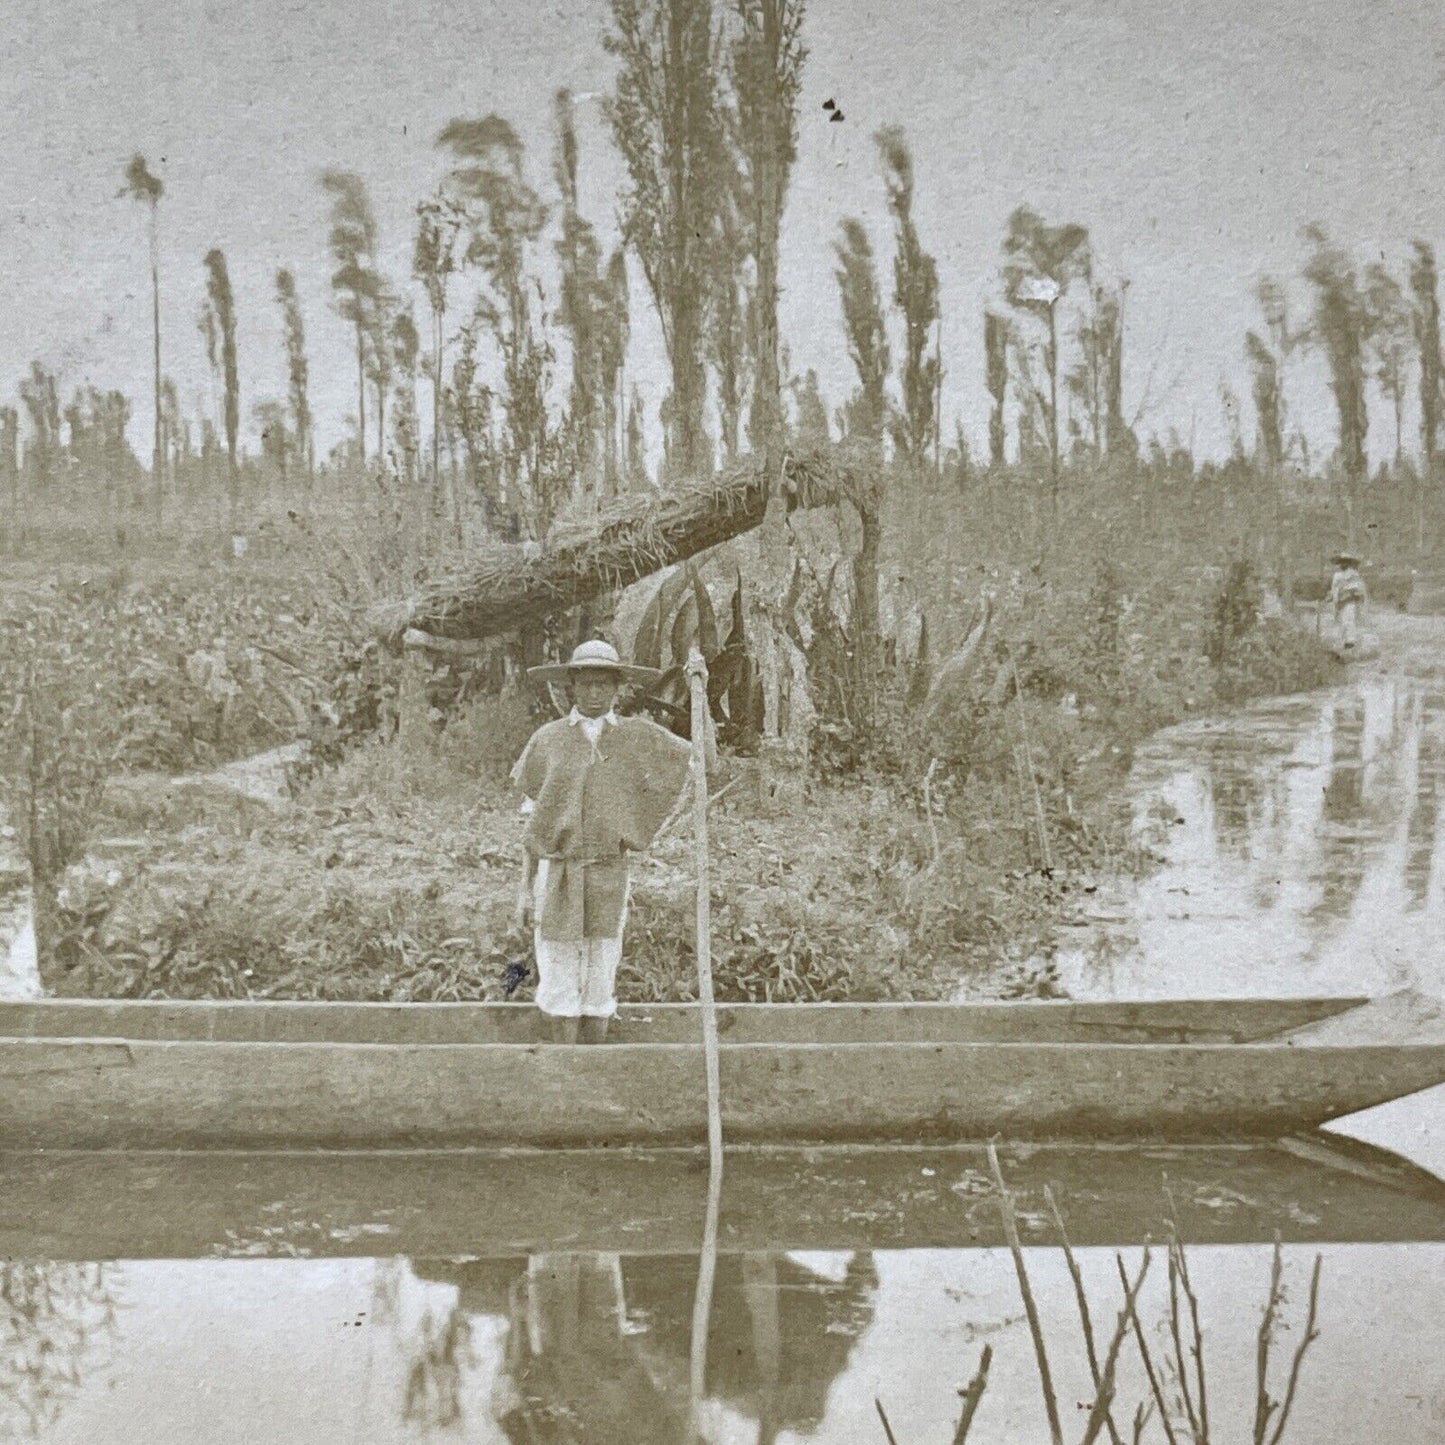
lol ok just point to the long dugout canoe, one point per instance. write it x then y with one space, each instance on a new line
506 1203
145 1090
270 1021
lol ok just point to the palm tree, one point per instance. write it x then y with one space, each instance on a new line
142 185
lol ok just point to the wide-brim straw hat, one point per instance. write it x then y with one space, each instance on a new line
1346 557
594 656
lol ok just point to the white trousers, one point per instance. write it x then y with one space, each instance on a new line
1346 620
575 979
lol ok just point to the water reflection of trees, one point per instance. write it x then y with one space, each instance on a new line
597 1346
436 1351
1425 813
54 1318
434 1380
1343 851
1383 773
1236 794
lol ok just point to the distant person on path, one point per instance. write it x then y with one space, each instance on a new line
595 787
1347 596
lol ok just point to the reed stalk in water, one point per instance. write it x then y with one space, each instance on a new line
1011 1233
1186 1334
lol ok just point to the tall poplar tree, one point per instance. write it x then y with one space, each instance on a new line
297 370
766 62
667 120
915 293
356 281
141 185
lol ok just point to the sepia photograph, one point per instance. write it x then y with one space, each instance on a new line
722 722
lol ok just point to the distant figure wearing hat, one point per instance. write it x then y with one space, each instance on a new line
595 787
1347 596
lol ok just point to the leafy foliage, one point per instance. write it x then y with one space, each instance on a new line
1236 610
915 293
1342 325
116 678
680 617
666 118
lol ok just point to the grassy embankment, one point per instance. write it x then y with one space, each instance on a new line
392 873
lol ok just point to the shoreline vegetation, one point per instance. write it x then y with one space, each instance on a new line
889 841
920 856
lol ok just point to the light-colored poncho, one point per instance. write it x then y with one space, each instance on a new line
594 803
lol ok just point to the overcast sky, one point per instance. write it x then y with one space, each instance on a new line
1193 140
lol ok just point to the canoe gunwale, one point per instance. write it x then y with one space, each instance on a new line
672 1048
1227 1021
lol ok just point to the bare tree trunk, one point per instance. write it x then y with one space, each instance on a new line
436 411
507 590
689 380
158 452
610 482
1054 397
361 390
938 400
767 399
867 652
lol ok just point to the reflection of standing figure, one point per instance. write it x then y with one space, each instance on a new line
434 1379
570 1372
598 1346
778 1338
1347 596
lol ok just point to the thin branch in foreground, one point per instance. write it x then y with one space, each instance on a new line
1086 1322
1011 1233
972 1394
1181 1368
1311 1334
1195 1328
1264 1406
1197 1347
1141 1419
1156 1389
1104 1396
883 1416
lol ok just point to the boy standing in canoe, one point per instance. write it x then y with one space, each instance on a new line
595 787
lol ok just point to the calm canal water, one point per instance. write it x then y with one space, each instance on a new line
1302 847
596 1347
